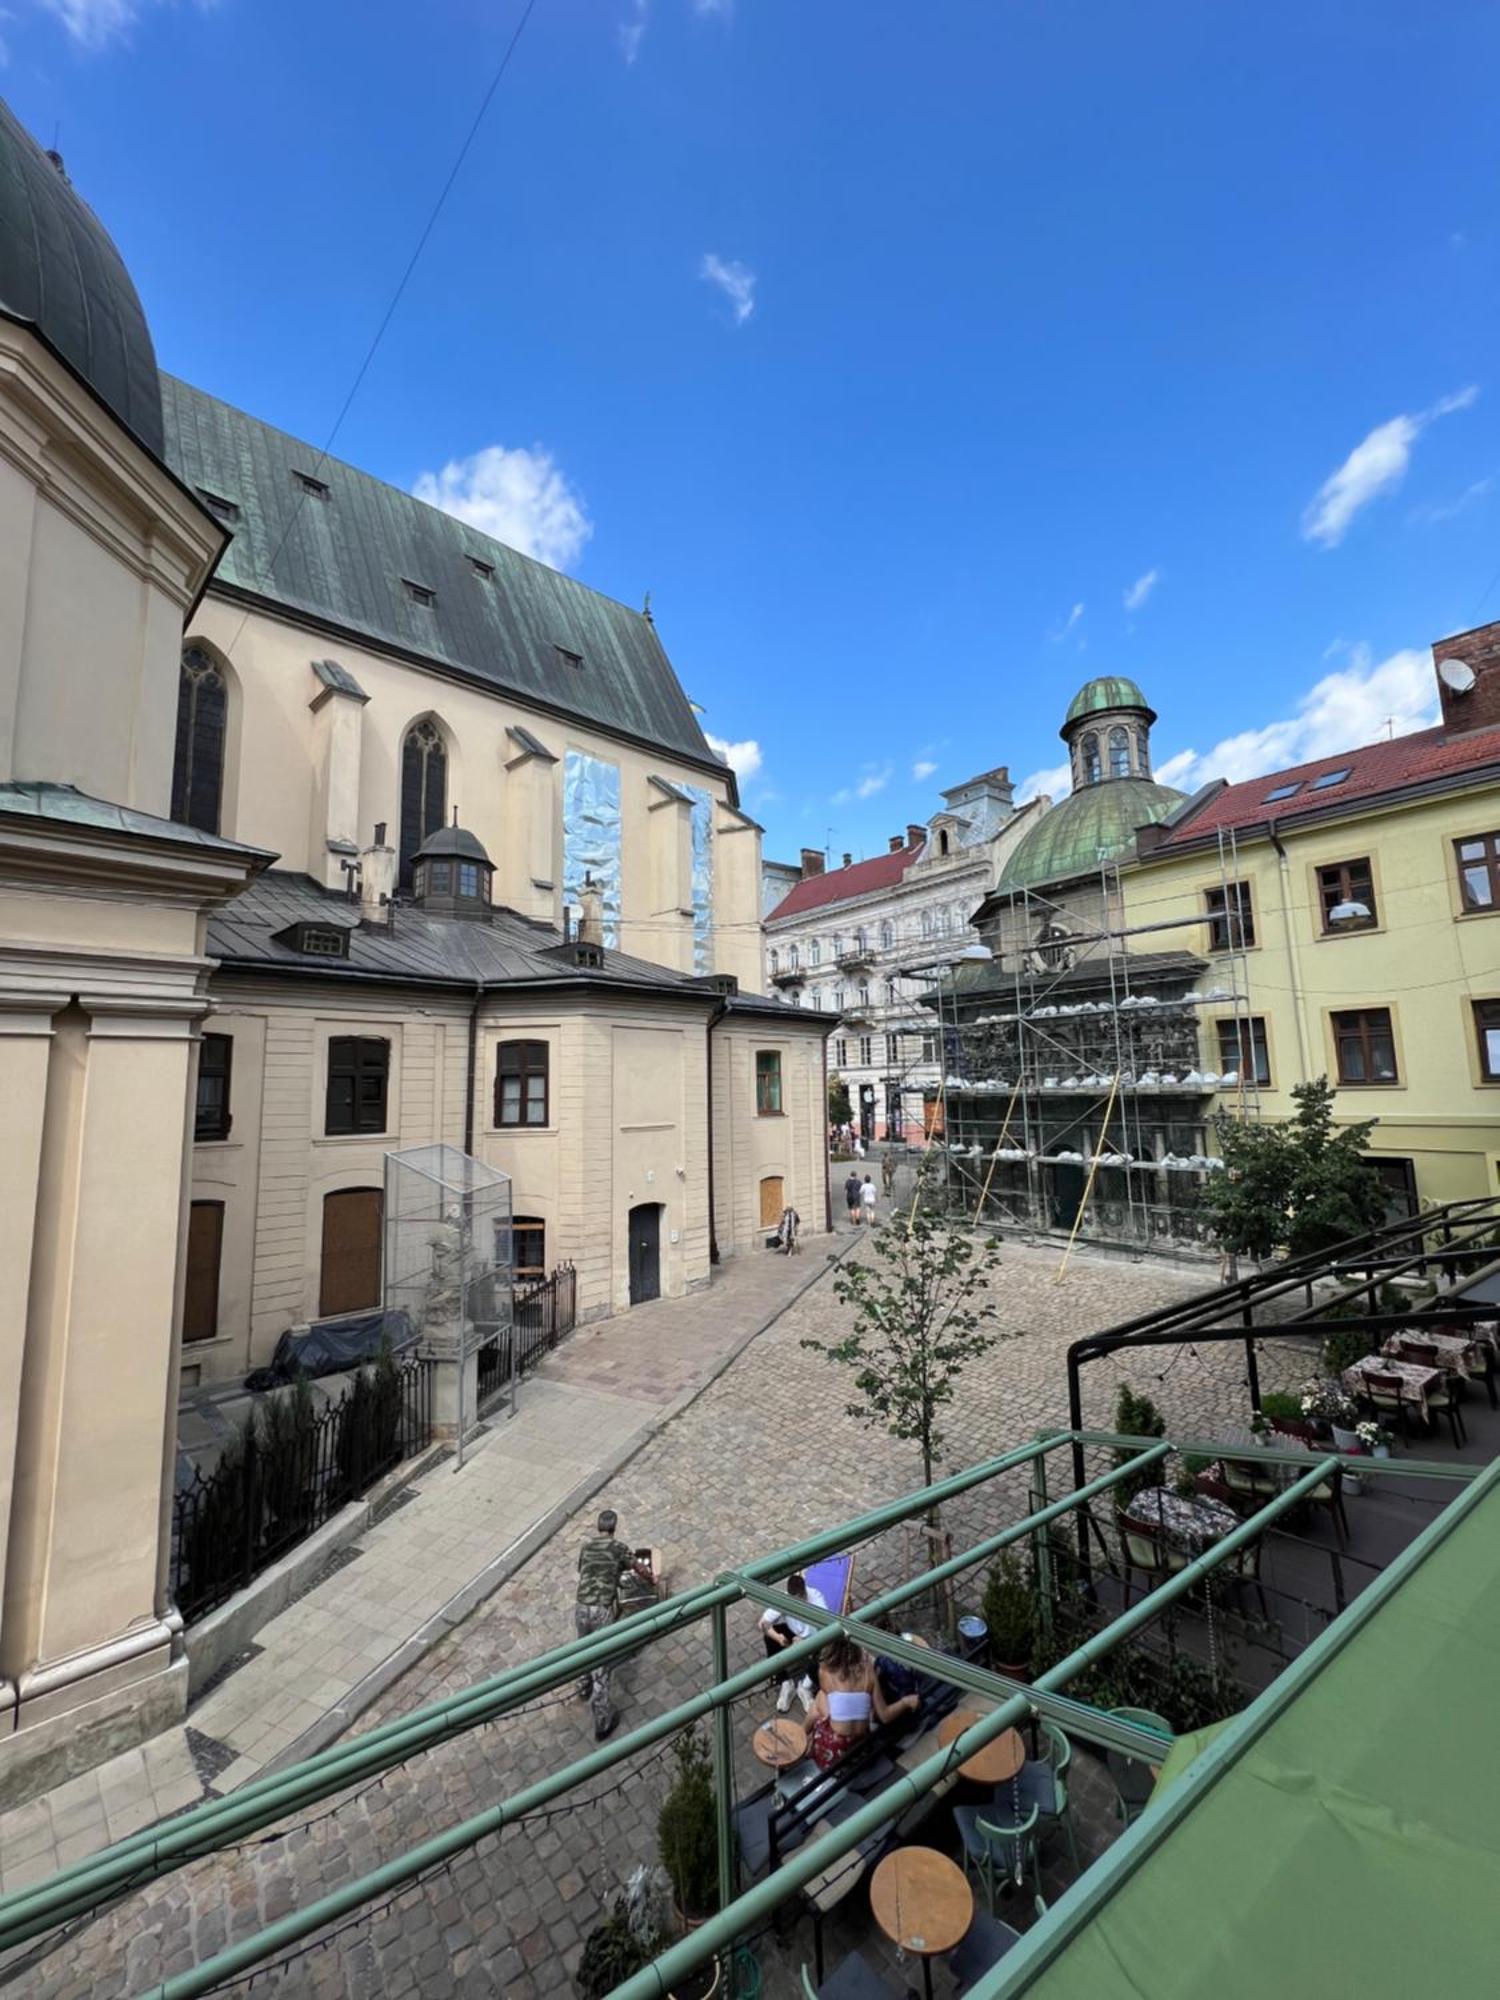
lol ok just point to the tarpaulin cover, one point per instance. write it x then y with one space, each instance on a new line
1350 1845
329 1346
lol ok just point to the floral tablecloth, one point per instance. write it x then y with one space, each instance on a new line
1416 1379
1453 1350
1191 1523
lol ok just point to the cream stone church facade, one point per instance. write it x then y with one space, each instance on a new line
328 827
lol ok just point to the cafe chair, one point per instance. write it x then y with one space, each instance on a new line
1329 1493
1140 1550
999 1846
1442 1401
982 1947
1482 1369
1042 1782
853 1978
1243 1569
1132 1777
1386 1394
1247 1483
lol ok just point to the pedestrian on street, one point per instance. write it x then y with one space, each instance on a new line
603 1563
859 1147
867 1199
852 1198
888 1173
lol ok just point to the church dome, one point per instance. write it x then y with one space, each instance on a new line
1093 825
1097 697
60 273
453 843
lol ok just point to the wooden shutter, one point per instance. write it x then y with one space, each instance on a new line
200 1298
771 1203
351 1251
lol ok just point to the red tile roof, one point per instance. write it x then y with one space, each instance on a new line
838 885
1377 768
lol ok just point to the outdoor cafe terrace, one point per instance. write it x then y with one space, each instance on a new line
1207 1773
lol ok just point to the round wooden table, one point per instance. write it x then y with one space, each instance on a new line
781 1743
998 1762
923 1903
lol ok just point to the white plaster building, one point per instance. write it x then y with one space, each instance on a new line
861 942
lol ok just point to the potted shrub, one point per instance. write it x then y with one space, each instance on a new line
687 1835
1326 1402
1009 1610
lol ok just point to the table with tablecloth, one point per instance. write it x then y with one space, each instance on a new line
1417 1380
1192 1523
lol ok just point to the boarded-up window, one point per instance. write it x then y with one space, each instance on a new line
200 1298
351 1251
771 1203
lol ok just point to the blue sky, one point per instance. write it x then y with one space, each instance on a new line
920 362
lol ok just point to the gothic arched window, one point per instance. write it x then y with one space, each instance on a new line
424 790
198 764
1119 753
1088 758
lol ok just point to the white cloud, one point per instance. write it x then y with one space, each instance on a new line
1141 589
1376 465
1054 782
94 24
735 280
744 759
518 496
874 778
1067 625
1445 510
632 29
923 768
1357 704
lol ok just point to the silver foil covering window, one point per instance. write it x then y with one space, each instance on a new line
591 833
703 879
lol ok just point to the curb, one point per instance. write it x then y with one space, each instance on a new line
485 1582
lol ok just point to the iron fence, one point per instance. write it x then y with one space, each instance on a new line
289 1468
542 1315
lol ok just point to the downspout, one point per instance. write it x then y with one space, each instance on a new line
823 1148
473 1067
708 1063
1291 950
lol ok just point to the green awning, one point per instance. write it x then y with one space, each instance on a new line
1184 1749
1339 1836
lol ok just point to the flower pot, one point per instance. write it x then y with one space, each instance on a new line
1381 1451
1353 1483
1345 1440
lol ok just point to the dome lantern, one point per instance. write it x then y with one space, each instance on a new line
452 874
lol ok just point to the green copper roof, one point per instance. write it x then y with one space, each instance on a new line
1096 823
1109 691
60 272
348 553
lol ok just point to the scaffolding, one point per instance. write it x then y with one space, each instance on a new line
1082 1085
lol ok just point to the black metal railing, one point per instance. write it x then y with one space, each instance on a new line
542 1314
288 1469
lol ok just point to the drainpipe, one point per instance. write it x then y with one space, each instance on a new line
823 1148
708 1057
1290 935
473 1066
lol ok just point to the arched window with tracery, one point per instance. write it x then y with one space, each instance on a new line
202 722
1088 758
1119 753
424 790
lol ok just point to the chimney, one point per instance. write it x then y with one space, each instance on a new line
915 834
1469 703
812 862
377 880
590 913
848 860
898 841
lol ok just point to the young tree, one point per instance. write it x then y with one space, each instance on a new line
1299 1183
840 1111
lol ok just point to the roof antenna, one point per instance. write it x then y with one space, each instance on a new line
646 610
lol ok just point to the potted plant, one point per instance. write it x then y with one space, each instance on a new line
687 1833
612 1953
1009 1610
1375 1438
1326 1402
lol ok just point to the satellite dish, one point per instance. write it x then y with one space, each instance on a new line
1456 675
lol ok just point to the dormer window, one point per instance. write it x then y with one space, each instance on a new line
315 489
568 657
217 504
419 593
452 875
485 571
315 940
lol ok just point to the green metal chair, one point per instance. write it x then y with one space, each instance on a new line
1042 1782
998 1852
1132 1777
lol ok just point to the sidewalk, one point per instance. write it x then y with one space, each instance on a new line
450 1540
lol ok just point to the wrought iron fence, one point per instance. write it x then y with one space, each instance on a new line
542 1315
288 1469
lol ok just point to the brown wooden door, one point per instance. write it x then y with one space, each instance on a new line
771 1203
200 1298
351 1251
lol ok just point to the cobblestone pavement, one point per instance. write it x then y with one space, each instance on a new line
763 1457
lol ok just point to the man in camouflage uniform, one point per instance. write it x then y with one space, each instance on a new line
602 1563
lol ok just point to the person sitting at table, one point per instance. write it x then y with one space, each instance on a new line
779 1629
849 1700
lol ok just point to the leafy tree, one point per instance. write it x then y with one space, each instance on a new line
840 1111
1136 1416
1297 1184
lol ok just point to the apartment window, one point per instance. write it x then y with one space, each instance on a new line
841 1053
775 961
1479 871
1365 1046
818 999
864 993
215 1057
893 1049
521 1084
838 999
1119 753
1231 917
793 958
1346 886
815 952
528 1241
929 1048
1487 1028
861 941
887 937
768 1083
927 923
865 1057
943 841
358 1070
1243 1051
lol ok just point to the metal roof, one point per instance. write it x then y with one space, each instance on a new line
1108 691
65 805
349 558
456 840
1094 825
60 272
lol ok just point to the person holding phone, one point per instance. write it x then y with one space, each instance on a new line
779 1629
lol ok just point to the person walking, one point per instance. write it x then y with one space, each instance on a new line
603 1563
852 1198
867 1200
888 1173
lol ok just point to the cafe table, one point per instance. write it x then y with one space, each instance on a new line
1452 1349
997 1761
923 1903
1191 1522
1416 1379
